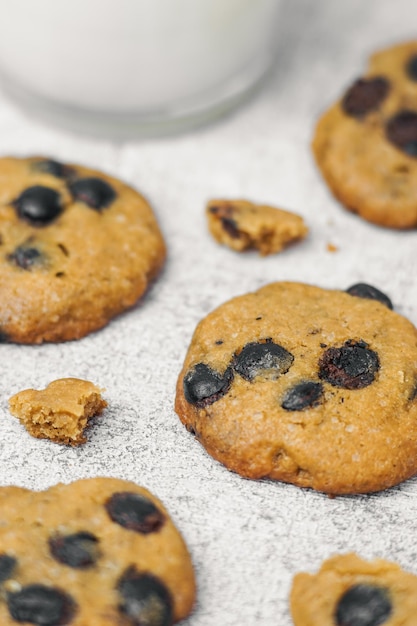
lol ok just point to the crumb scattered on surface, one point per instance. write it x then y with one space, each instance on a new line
61 411
332 248
243 225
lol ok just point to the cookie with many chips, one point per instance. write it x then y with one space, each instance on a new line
366 144
77 247
99 551
305 385
348 591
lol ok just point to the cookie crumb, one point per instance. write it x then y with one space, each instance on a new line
243 225
331 247
60 412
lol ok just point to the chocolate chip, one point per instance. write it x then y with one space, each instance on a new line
268 359
41 605
25 257
134 512
231 228
411 67
362 290
304 395
54 168
365 95
144 599
79 550
94 192
353 366
413 392
38 205
363 605
7 565
401 130
203 386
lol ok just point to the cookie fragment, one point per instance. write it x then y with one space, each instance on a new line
60 412
314 387
349 591
64 560
243 225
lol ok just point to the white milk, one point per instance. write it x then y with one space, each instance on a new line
136 57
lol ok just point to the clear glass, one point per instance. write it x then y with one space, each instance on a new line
124 67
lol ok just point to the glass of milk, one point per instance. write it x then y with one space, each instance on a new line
126 67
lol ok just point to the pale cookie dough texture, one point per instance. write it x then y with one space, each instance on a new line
243 225
97 552
77 247
366 144
306 385
348 591
60 412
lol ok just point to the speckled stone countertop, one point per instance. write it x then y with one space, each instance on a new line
247 539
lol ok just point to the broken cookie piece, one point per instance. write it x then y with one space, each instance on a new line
243 225
60 412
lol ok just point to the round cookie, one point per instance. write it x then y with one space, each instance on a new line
366 144
348 591
305 385
96 552
77 247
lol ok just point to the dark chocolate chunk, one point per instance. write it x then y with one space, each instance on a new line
363 290
365 95
38 205
363 605
401 130
144 599
134 512
41 605
353 366
203 386
79 550
26 257
7 565
411 67
95 192
304 395
54 168
267 359
230 226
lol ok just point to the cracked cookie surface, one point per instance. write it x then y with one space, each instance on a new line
366 144
349 591
77 247
305 385
99 551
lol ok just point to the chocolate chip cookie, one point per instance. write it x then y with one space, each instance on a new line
348 591
366 144
77 247
98 551
61 412
243 225
305 385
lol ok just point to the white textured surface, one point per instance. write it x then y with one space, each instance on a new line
247 538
